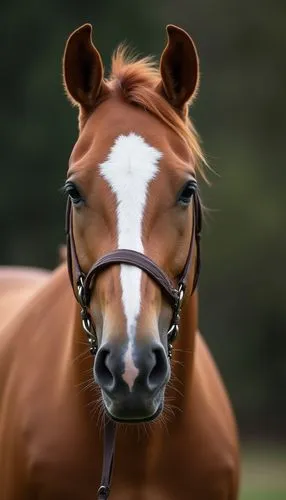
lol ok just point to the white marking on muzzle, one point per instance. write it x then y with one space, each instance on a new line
129 168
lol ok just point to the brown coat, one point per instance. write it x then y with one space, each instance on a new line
50 420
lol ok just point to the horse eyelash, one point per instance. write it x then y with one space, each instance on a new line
62 189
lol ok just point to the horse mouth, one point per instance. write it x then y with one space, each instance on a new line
134 409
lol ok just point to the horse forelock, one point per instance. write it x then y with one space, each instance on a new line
136 81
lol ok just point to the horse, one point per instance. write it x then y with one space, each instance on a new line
110 337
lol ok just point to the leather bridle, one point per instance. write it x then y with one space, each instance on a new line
83 283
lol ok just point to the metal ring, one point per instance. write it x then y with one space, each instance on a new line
86 323
103 492
173 332
87 326
93 348
80 291
181 293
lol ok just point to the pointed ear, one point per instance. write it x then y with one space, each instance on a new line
179 67
83 69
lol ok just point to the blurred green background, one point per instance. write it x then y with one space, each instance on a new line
240 114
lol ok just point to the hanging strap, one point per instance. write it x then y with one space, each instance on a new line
108 456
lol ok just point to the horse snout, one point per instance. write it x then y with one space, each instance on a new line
132 379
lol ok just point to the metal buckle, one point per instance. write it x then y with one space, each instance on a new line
181 293
80 291
86 321
85 316
87 326
174 328
173 331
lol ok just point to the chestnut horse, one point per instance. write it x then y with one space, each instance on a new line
133 253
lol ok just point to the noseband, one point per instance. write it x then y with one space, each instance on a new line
82 285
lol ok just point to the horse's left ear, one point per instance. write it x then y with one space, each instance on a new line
179 67
83 69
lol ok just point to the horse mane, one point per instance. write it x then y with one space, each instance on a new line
136 81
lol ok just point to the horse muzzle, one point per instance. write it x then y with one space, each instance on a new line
132 380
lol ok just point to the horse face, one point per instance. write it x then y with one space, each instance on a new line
130 181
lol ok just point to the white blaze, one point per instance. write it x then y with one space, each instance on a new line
129 168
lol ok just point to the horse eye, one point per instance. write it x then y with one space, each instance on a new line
187 192
73 192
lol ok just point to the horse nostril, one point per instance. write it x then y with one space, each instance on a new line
159 373
103 375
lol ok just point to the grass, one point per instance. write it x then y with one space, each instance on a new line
263 473
266 495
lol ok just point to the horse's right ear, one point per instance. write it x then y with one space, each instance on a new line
83 69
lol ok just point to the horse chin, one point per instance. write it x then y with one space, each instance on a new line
132 411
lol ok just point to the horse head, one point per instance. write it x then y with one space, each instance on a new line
131 185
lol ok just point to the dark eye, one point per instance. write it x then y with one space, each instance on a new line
73 192
185 195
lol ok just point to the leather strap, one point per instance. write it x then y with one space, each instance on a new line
72 258
131 257
197 229
108 457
